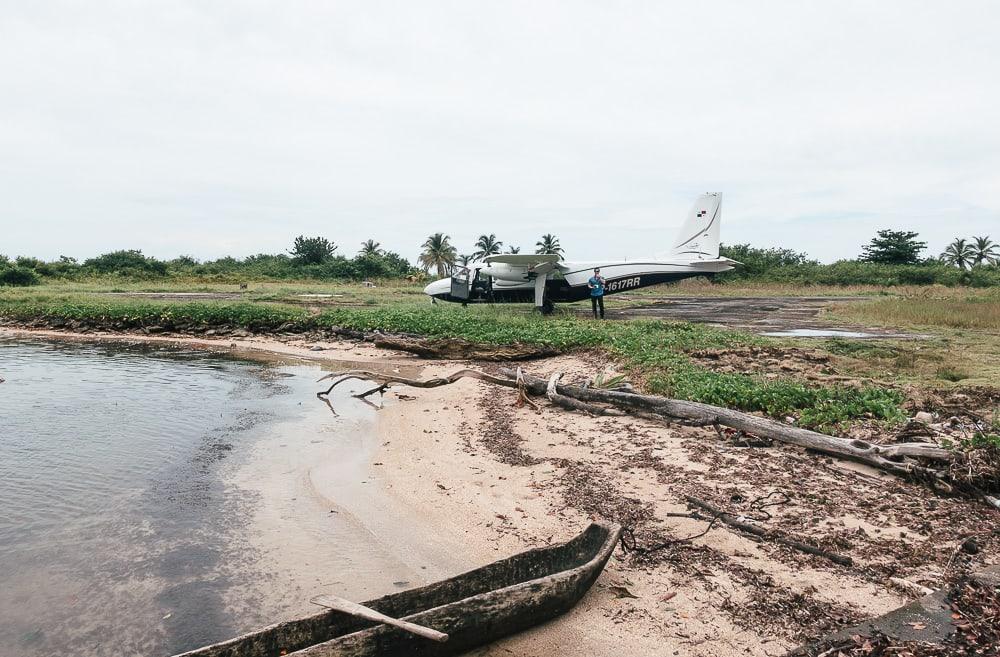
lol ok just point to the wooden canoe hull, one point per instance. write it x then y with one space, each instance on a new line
474 608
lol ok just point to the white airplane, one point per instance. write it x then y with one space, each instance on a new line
546 279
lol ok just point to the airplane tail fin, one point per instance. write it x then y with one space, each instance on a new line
699 236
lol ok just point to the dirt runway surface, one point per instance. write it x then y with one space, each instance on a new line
794 316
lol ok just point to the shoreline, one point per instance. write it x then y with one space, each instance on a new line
467 479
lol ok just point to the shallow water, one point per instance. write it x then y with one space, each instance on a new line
821 333
121 530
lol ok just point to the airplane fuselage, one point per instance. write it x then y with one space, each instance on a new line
545 280
498 286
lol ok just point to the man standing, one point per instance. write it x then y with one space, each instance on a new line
596 285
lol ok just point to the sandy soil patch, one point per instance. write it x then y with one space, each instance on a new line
492 480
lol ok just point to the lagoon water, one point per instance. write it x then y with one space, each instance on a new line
120 529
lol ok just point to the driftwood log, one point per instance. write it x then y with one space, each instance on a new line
898 459
879 456
772 535
569 402
456 349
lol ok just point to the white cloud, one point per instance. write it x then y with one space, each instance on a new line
215 128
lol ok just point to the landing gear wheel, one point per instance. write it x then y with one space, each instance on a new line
548 307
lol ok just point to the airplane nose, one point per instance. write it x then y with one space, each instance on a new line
438 287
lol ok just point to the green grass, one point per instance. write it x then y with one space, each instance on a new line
654 352
971 312
867 349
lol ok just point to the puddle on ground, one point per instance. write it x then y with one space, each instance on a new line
820 333
837 333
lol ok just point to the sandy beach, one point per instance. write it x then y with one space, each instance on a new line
469 478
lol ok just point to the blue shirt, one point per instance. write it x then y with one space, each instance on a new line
598 286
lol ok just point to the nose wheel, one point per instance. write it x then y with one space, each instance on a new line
547 307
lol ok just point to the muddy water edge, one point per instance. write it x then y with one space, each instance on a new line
157 498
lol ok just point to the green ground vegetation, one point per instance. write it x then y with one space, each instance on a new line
959 337
653 352
980 311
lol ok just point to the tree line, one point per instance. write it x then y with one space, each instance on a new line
890 258
309 257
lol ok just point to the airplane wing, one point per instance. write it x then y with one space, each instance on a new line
522 260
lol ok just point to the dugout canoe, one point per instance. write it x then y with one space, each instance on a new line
474 608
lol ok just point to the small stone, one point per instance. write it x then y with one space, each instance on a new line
317 348
969 546
924 416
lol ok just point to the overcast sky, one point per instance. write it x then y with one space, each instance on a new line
227 128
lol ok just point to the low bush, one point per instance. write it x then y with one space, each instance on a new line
787 267
17 276
126 263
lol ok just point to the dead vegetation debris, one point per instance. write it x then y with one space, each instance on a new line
890 527
781 611
497 433
589 490
766 360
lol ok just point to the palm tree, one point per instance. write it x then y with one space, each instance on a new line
985 250
370 248
439 253
959 253
549 245
464 259
513 249
487 245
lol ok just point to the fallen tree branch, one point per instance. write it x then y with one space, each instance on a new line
377 389
879 456
897 459
522 394
382 377
573 404
768 534
910 587
629 544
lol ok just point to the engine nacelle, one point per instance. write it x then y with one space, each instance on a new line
505 272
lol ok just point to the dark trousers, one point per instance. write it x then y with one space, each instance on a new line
595 302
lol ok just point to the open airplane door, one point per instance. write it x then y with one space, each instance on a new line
461 284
